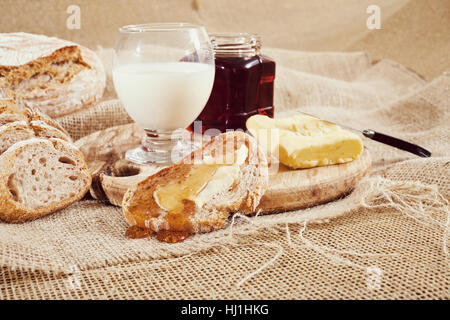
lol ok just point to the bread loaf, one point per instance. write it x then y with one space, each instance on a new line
41 171
227 175
58 76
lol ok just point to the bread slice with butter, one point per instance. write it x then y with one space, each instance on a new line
302 141
227 175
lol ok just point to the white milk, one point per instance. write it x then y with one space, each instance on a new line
166 95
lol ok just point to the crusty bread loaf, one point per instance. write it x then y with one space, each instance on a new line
40 176
37 176
212 203
58 76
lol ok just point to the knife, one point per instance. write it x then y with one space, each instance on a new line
383 138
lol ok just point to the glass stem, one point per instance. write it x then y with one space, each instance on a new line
159 141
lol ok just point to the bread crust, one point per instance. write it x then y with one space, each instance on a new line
13 211
23 52
244 196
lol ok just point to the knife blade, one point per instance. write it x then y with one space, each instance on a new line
382 138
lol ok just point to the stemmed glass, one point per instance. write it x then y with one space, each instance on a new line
163 74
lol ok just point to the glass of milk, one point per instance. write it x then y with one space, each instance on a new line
163 74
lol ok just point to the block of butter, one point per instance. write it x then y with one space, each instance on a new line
302 141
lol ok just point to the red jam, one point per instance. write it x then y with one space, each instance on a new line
243 84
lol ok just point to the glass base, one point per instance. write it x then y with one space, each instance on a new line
162 148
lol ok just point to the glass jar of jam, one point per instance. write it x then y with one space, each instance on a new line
243 83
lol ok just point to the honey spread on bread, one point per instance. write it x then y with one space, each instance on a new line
181 197
194 197
302 141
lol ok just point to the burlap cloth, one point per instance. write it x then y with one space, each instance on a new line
388 239
413 32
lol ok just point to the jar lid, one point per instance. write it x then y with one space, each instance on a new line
235 43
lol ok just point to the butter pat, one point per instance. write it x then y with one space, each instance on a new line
223 178
304 142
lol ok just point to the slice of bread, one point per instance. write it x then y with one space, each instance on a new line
227 175
13 132
34 114
7 105
40 176
43 125
43 130
19 126
10 117
9 111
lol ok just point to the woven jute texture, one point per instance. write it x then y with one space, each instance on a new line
387 239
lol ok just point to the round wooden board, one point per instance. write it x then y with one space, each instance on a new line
288 189
295 189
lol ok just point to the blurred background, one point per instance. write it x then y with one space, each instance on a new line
415 33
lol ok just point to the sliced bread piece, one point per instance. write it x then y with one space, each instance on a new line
13 132
34 114
10 117
7 104
227 175
9 111
43 130
40 176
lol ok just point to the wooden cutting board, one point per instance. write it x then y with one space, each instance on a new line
288 189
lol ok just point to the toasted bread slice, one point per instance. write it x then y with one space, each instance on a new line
40 176
13 132
227 175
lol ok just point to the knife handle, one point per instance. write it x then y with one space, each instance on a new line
397 143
